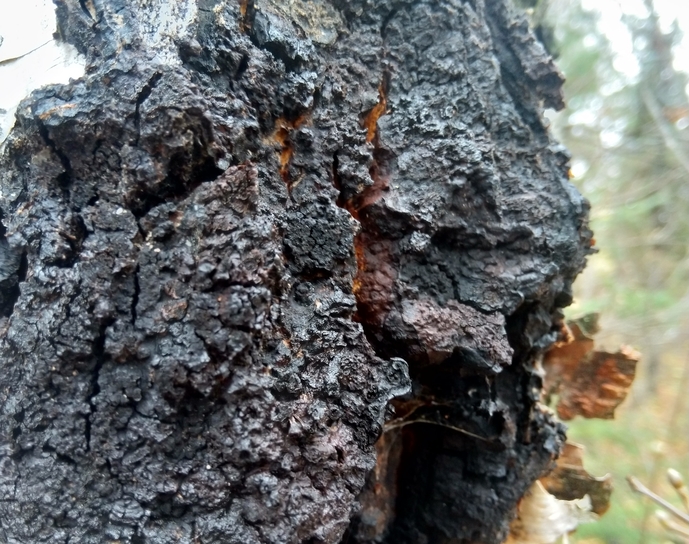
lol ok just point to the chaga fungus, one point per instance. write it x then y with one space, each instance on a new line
288 211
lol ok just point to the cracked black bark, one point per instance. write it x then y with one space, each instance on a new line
220 224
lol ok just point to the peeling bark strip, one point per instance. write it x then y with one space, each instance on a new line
587 382
222 244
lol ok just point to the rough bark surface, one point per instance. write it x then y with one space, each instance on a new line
244 231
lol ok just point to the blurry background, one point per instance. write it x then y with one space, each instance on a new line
627 127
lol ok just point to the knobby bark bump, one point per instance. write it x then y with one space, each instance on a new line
248 227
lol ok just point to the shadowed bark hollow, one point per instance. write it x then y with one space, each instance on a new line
244 231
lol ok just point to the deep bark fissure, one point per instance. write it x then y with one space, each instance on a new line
242 67
247 12
140 99
13 270
64 180
84 7
12 292
135 296
95 388
175 187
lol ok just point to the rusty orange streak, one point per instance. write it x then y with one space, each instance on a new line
360 255
282 137
371 119
283 129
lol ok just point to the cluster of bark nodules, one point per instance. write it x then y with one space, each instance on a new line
244 231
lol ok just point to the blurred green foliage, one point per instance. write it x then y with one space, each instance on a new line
630 141
628 132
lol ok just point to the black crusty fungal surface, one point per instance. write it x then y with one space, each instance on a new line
237 237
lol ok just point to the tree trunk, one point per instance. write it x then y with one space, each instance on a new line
248 227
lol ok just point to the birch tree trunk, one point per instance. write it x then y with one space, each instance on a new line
242 232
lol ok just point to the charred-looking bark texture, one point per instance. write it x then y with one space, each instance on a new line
241 233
